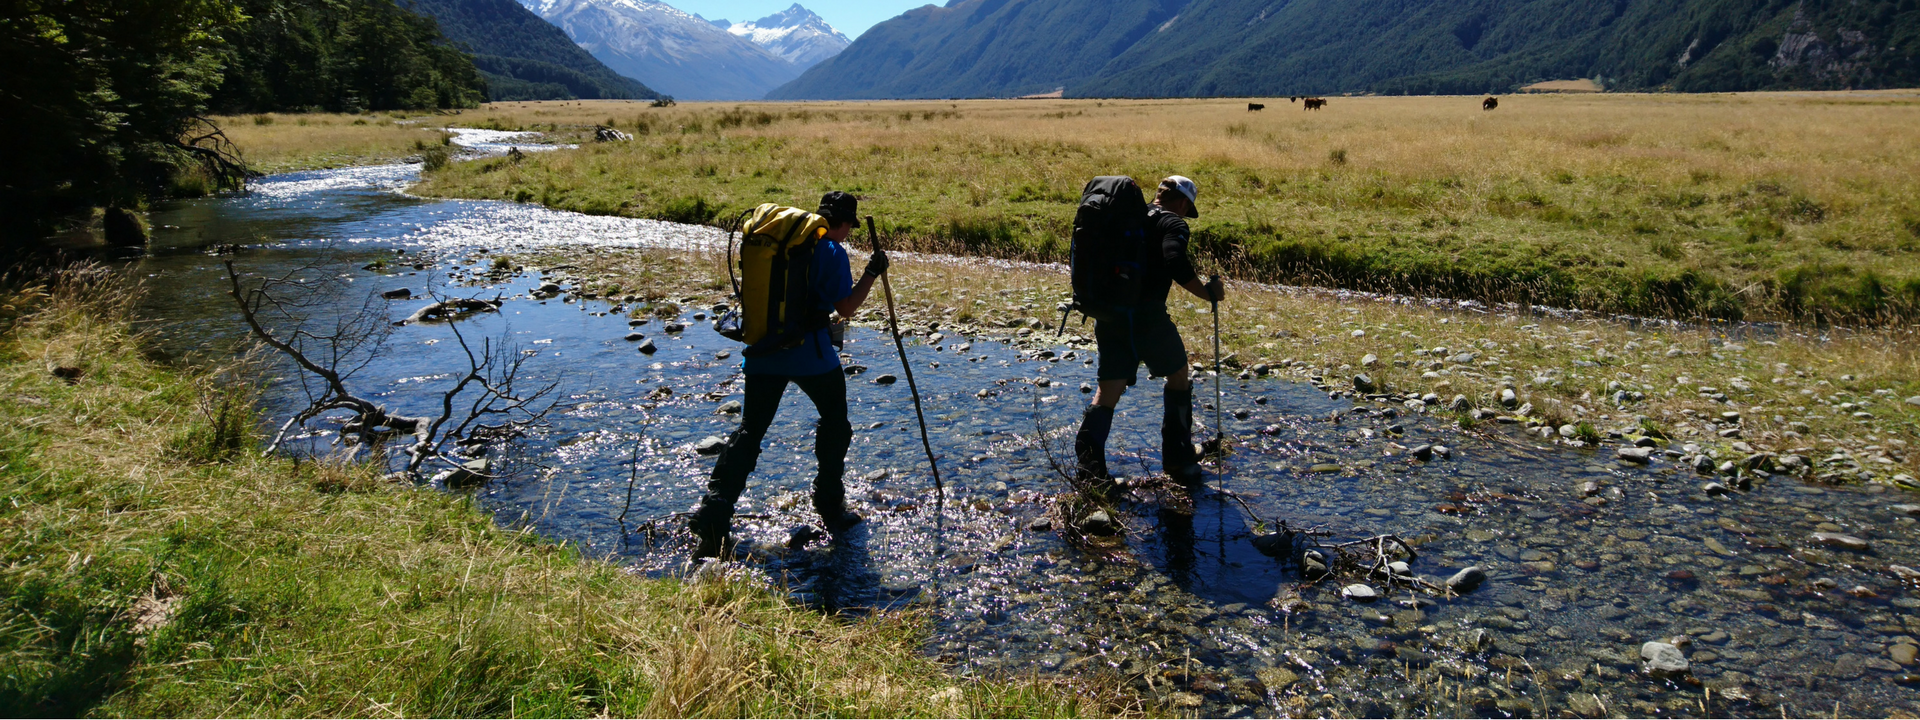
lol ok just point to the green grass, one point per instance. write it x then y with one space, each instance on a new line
156 565
1724 207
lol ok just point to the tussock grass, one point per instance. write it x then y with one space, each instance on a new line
1756 206
156 565
1797 392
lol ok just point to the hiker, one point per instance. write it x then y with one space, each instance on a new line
1151 338
811 362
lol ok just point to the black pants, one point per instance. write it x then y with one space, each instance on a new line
828 391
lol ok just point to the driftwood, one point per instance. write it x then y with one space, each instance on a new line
452 309
354 341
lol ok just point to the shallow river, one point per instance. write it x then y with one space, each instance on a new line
1185 607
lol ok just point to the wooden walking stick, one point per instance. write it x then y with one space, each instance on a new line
893 327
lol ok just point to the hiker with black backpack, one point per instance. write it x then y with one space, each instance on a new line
794 273
1127 256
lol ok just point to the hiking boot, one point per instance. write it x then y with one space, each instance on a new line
840 521
1177 452
1090 446
714 541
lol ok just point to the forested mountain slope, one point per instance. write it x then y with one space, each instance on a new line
983 48
524 57
1165 48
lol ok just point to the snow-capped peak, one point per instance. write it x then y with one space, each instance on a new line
796 34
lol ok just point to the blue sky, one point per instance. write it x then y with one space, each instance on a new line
848 16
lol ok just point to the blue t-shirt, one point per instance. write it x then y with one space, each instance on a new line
832 282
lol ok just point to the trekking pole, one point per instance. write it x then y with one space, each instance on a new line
1219 427
893 326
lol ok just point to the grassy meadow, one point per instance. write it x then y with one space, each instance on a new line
156 565
282 142
1800 206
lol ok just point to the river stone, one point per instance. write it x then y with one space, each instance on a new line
1422 452
1273 544
800 535
1842 541
1638 455
731 407
710 446
397 294
635 337
1584 704
471 472
1370 360
1358 592
1908 510
1276 678
1460 404
887 379
1509 400
1662 659
1325 468
1364 384
1467 580
1914 401
1098 523
648 348
548 288
636 322
1903 653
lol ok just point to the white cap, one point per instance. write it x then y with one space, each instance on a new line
1185 186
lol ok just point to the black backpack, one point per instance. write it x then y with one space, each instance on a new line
1109 243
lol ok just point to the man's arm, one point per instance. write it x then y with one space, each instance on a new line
1174 239
876 266
851 304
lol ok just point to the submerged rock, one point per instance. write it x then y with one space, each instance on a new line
1359 592
712 445
886 380
731 407
1842 541
1663 660
1638 455
397 294
1098 523
635 337
1467 580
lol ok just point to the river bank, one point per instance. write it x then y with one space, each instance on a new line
159 566
1833 407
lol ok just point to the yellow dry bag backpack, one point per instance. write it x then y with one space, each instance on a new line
774 307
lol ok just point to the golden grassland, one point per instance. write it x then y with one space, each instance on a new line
1797 393
1798 206
156 565
281 142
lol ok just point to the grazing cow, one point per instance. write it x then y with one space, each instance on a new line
1490 103
1254 107
1295 98
1315 103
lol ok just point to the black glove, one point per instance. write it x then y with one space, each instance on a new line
1216 290
877 264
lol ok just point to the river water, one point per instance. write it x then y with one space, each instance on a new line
1184 607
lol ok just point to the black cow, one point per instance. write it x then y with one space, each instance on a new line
1253 107
1315 103
1490 103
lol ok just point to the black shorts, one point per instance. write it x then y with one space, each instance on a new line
1151 339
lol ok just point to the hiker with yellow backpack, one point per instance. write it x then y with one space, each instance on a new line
794 274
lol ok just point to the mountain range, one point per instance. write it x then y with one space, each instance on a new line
1174 48
523 57
795 34
689 57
